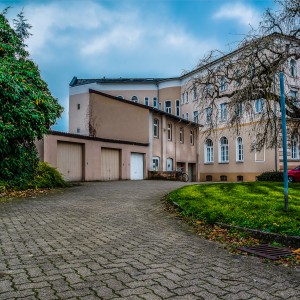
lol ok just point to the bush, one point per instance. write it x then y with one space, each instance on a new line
45 176
48 177
271 176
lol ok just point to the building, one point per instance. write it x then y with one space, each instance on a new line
140 125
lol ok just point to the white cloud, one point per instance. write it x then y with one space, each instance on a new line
244 14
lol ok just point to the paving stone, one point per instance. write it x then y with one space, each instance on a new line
114 240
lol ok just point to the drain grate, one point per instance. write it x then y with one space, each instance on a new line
268 251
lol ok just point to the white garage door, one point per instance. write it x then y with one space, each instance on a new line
69 160
136 166
110 164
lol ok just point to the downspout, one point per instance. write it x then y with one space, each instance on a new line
275 129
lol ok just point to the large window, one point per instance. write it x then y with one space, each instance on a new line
169 132
238 109
223 83
155 102
177 108
258 106
295 146
192 137
293 68
134 99
223 153
209 151
187 116
186 97
147 101
181 135
239 149
156 128
223 111
195 116
168 107
208 114
155 163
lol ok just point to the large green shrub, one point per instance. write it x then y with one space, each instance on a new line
271 176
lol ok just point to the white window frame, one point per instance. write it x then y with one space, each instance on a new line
181 135
170 132
196 116
239 149
223 83
223 111
223 150
208 151
187 116
186 97
155 163
168 109
178 108
295 146
135 99
258 106
146 101
156 128
238 109
293 68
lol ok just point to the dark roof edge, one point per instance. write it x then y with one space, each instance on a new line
86 137
91 91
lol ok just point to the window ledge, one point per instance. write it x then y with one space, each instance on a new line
239 161
209 163
223 162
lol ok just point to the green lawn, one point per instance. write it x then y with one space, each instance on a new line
257 205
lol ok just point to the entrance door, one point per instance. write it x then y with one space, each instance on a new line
137 166
169 164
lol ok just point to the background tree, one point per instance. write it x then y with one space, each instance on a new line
247 78
27 108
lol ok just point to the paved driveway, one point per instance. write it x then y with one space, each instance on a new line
114 240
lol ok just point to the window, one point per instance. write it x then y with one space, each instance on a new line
208 90
208 114
258 106
294 96
168 107
187 116
182 98
186 97
192 137
195 94
134 99
177 108
156 128
182 116
78 106
208 178
155 163
293 68
120 96
181 135
295 146
155 102
238 79
223 178
169 132
147 101
239 149
223 150
159 105
223 111
240 178
195 116
78 130
223 83
209 151
238 109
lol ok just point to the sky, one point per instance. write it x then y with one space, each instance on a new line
128 38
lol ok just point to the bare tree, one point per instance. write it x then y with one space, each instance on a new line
246 80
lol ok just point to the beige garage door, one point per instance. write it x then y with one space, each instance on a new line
110 164
69 160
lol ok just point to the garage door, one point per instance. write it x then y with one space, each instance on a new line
69 160
110 164
136 166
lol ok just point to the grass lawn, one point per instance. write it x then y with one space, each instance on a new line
256 205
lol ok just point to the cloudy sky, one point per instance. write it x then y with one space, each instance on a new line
128 38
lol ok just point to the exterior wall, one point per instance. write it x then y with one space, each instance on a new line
78 118
113 119
91 154
169 94
181 153
252 165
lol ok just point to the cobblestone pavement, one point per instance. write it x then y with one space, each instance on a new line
113 240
